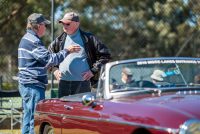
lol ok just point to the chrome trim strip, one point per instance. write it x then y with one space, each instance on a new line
64 116
155 58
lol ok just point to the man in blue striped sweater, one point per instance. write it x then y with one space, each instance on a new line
34 60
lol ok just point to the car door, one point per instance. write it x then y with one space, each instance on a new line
80 119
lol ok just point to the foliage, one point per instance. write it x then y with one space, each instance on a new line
146 28
131 29
13 17
9 86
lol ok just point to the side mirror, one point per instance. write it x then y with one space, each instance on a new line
88 100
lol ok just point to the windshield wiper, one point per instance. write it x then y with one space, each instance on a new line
194 84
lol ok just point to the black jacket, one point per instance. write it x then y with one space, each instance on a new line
97 53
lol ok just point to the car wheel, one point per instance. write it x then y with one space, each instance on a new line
48 129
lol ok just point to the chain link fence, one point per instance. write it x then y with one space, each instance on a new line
148 28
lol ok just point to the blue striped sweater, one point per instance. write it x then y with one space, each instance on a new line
34 60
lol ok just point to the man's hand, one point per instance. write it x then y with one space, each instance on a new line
57 74
73 48
87 75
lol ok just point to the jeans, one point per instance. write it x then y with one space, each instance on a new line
66 88
31 94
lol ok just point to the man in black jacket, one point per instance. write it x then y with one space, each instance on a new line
78 71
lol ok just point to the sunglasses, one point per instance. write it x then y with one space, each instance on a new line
66 24
44 24
129 76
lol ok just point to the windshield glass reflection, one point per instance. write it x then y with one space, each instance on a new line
154 74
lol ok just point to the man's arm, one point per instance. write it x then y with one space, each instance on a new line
102 55
55 47
42 55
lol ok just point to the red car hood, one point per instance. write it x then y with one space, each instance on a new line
168 110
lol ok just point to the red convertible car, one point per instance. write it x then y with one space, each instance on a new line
137 96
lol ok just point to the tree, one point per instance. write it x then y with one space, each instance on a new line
13 17
146 28
131 29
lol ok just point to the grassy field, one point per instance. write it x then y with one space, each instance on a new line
14 102
9 102
5 131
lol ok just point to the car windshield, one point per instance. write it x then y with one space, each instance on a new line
154 74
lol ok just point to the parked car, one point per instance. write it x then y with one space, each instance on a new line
163 98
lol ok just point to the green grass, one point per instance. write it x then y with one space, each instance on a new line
15 101
6 131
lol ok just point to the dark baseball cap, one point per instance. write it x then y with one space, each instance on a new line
37 18
70 16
